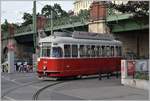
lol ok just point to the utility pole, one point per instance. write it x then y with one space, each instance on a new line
51 22
34 25
34 56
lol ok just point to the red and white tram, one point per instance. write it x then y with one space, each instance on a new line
82 53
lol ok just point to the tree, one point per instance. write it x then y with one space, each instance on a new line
60 13
84 14
57 11
27 17
46 10
4 26
137 8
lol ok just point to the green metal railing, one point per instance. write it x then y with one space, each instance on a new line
69 21
24 29
56 23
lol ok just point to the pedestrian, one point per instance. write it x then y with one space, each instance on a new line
21 67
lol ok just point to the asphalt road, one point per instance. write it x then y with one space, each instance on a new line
22 86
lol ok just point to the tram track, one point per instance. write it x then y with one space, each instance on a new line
15 88
37 93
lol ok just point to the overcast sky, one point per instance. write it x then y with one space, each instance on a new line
13 10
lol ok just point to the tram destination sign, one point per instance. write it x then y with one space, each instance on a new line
46 43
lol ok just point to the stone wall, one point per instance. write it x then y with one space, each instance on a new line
130 42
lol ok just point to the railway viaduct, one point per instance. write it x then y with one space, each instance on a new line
133 32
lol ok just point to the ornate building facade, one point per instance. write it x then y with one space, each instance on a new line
81 4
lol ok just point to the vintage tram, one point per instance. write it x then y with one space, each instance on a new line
78 54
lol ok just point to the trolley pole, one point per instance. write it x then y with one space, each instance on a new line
34 26
51 22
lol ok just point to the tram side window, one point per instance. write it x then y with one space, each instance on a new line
88 50
100 51
82 50
67 50
108 51
119 51
112 50
97 51
103 51
93 51
57 52
74 51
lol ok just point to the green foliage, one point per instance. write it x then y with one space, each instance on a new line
138 8
27 17
84 13
57 11
4 26
142 75
46 10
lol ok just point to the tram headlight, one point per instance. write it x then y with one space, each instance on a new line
38 59
44 67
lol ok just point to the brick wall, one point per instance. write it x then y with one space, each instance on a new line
97 11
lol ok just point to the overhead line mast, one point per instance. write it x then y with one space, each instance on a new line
34 25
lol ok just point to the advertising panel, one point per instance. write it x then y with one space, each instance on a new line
142 65
123 69
131 67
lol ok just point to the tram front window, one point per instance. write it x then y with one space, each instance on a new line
56 52
46 51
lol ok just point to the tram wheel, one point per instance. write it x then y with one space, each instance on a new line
100 76
117 75
108 75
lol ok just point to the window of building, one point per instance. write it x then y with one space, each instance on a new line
67 51
74 50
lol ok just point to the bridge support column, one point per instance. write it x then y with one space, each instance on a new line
98 27
97 21
11 68
10 54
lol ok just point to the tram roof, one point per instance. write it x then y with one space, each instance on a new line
71 40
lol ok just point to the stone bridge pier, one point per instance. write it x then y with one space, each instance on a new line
21 46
